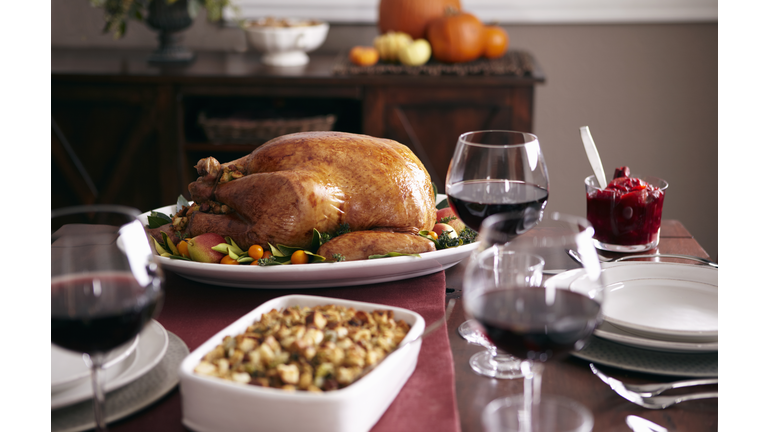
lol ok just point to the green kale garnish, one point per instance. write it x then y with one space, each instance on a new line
447 219
468 235
319 238
343 229
324 237
268 261
445 240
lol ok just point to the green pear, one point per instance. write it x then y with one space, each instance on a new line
200 248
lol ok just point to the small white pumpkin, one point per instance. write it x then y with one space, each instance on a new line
390 43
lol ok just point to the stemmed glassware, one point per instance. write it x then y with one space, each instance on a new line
496 171
535 321
105 285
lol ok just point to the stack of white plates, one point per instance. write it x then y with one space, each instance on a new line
70 377
657 306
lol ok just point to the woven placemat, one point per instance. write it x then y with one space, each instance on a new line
621 356
513 63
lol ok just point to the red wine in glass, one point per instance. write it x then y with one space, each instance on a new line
475 200
97 312
536 323
105 285
492 172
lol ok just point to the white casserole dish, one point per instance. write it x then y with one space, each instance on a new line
211 404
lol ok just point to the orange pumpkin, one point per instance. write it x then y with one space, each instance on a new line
456 37
411 16
496 42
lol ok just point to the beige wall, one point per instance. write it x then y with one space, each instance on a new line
648 93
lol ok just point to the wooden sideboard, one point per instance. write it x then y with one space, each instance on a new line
127 132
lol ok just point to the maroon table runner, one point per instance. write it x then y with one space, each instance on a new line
195 312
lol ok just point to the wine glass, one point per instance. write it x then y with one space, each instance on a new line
105 285
491 172
527 270
535 322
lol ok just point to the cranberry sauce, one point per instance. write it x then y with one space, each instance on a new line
627 212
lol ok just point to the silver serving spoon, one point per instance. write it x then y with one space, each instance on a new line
593 156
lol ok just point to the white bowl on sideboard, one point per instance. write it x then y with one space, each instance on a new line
285 44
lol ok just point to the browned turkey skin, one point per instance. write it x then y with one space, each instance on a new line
314 180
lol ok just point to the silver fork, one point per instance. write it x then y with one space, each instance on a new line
655 389
651 402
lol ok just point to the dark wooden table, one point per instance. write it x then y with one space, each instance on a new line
572 378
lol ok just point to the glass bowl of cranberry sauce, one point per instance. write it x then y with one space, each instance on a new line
626 215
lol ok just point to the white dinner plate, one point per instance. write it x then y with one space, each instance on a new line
615 334
320 275
153 342
68 367
660 301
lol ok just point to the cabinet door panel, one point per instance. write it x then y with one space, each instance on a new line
432 129
120 138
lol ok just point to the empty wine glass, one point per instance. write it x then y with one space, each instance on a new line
491 172
105 285
535 322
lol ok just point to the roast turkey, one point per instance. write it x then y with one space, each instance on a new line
299 182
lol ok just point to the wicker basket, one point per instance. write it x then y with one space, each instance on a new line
241 131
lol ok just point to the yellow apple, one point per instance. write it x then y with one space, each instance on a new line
416 53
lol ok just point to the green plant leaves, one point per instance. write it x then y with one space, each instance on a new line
157 219
168 249
282 254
